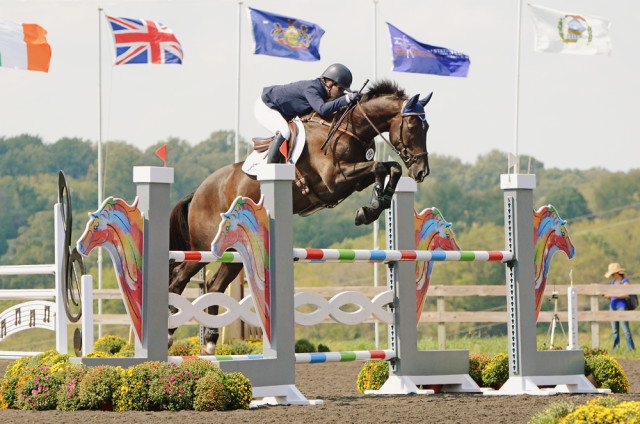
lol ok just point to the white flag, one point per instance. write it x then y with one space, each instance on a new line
560 32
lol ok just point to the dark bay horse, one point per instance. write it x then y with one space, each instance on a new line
331 174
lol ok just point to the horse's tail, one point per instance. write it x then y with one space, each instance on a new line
179 238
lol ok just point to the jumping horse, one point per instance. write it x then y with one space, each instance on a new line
328 171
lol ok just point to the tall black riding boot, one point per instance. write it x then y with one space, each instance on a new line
274 155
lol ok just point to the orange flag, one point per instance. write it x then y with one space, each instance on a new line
162 154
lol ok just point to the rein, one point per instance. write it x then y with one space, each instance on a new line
326 124
405 154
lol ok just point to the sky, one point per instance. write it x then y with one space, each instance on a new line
574 111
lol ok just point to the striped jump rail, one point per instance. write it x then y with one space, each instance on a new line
303 358
354 255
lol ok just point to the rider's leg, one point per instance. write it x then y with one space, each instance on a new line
276 124
275 155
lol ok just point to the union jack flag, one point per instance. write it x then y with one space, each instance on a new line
142 41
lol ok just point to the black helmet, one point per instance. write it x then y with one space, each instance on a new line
340 74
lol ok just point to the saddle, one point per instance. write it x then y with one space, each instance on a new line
261 145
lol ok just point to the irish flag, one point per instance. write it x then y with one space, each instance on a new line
24 46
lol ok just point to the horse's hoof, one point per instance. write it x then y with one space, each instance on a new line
208 349
170 340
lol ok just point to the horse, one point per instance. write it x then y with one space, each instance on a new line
118 227
432 232
550 235
329 170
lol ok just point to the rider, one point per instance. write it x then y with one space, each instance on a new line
281 103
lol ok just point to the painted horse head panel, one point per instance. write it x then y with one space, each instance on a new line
432 232
550 235
118 227
245 228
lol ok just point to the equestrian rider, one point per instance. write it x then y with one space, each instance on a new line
281 103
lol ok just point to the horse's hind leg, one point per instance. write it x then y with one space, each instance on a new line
218 284
381 197
179 276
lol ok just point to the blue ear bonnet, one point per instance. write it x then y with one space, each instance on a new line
412 106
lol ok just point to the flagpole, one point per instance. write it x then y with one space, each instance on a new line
237 135
517 99
100 155
376 224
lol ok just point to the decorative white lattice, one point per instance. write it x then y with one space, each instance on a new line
244 309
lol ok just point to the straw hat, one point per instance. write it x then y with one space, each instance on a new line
615 268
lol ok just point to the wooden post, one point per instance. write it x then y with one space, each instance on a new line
595 325
442 333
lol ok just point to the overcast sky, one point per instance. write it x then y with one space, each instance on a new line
575 111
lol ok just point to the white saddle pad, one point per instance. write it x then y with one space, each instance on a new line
255 160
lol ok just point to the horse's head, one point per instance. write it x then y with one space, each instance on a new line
408 135
550 233
433 232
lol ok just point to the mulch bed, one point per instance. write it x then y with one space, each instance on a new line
335 384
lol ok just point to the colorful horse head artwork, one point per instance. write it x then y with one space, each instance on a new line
245 228
549 236
432 232
118 227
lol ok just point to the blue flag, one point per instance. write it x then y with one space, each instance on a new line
410 55
278 35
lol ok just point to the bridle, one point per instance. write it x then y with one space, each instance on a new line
407 156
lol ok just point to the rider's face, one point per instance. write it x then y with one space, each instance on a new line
334 90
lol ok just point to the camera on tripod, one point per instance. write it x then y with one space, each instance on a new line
554 296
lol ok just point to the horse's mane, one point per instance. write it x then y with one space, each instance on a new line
384 88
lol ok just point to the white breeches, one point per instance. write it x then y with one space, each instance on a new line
271 119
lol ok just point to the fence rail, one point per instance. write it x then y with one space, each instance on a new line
440 316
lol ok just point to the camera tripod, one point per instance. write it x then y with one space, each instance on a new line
555 321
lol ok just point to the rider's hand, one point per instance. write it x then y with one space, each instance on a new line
352 97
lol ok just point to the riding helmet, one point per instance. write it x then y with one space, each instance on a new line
340 74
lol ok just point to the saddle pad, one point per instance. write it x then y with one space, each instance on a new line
252 163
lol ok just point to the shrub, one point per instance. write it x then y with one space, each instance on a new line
323 348
373 375
133 393
38 390
211 394
234 347
593 351
496 371
199 367
14 372
183 348
69 393
126 351
304 346
98 354
239 389
607 373
256 345
599 410
98 387
553 413
476 366
174 389
109 344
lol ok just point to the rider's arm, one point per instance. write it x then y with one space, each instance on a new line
317 102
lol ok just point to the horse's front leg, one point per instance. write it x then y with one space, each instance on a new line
382 195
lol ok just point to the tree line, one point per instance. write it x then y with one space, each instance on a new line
600 206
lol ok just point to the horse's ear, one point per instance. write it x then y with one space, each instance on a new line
424 101
411 102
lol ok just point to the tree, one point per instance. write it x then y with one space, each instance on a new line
568 201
